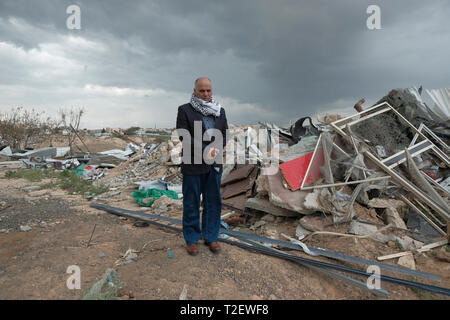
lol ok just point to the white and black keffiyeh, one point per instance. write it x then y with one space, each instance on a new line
206 108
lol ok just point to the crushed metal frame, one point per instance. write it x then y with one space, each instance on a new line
336 147
416 149
382 165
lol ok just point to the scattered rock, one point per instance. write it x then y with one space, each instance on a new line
271 232
407 261
25 228
393 217
268 218
442 255
164 202
381 203
407 243
31 188
362 229
257 224
313 223
279 219
312 201
301 232
391 244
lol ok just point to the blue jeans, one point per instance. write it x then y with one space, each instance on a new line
207 184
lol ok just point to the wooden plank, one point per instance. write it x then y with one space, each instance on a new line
345 183
424 248
367 116
336 123
409 186
75 131
242 186
238 174
237 202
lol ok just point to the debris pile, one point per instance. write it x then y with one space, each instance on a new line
381 174
373 175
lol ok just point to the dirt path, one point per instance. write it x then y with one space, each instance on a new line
34 262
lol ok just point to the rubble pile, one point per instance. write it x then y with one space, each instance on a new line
345 171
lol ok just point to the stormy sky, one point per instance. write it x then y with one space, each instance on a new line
133 63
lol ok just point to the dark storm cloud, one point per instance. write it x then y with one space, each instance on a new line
291 56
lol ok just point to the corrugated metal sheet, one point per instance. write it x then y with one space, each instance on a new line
441 99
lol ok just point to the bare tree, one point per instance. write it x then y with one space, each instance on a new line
21 127
70 120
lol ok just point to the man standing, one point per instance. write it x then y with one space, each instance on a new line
202 175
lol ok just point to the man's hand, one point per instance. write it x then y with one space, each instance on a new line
212 153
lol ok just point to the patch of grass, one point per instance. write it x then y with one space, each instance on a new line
34 175
74 184
66 180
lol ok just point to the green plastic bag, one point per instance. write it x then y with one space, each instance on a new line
154 194
80 169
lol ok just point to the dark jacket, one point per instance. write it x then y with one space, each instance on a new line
185 120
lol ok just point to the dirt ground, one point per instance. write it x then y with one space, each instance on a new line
35 262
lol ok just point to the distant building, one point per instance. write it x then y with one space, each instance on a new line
112 130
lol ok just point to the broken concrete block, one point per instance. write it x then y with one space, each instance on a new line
262 186
407 243
257 224
313 223
312 201
165 201
418 244
264 205
385 203
31 188
25 228
362 229
268 218
301 232
393 217
271 232
407 261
